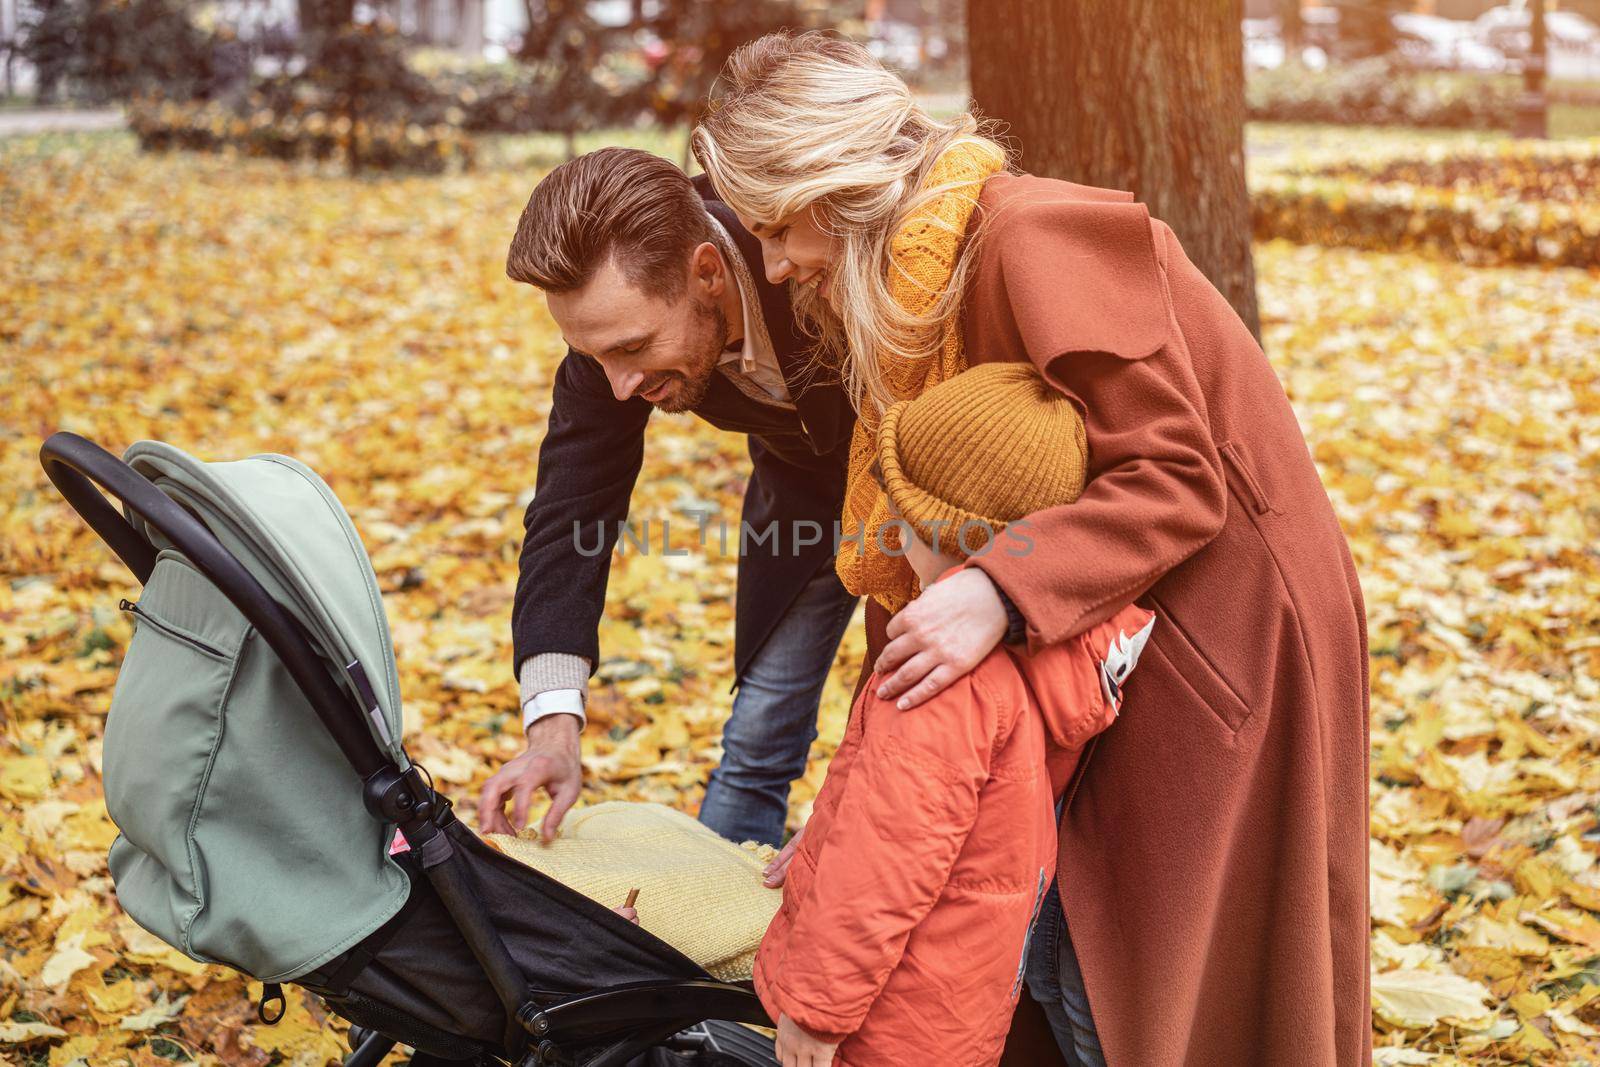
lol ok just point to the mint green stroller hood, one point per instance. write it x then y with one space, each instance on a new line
241 838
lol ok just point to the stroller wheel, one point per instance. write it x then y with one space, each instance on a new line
367 1047
713 1043
739 1044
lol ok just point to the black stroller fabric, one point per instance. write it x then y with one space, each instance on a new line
422 974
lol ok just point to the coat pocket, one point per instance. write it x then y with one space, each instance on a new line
1242 478
1172 644
162 734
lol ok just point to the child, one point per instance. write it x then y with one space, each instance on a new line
909 899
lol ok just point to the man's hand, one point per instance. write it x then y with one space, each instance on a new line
939 637
796 1048
551 763
778 870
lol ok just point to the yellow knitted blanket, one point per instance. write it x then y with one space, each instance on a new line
698 892
923 252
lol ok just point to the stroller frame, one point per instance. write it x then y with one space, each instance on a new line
624 1020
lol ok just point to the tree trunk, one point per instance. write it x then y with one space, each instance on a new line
1531 120
1143 95
533 15
1293 31
319 16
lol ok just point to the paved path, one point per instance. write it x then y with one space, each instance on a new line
50 120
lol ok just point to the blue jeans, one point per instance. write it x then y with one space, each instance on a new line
1055 981
768 736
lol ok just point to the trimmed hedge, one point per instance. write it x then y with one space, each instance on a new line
1561 179
357 98
1526 204
380 144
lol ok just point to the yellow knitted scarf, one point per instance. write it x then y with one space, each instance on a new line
924 251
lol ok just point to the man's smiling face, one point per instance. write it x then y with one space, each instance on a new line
658 348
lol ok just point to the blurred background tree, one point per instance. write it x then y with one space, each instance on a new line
579 70
1130 94
324 16
105 50
688 42
361 70
1366 27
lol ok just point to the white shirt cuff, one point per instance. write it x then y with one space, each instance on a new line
553 702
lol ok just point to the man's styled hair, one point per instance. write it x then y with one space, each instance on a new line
614 202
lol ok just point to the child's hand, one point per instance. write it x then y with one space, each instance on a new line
627 913
796 1048
778 870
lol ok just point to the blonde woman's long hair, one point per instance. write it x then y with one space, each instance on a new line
811 118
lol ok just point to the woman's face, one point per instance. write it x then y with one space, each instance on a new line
794 247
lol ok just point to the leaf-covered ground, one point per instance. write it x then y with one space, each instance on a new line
367 328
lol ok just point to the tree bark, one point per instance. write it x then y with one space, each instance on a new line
1532 112
1293 31
1143 95
320 16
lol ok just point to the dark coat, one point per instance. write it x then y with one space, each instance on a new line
591 456
1213 858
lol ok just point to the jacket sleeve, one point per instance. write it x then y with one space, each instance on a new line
1156 492
588 463
908 806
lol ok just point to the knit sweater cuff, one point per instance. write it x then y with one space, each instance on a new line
553 670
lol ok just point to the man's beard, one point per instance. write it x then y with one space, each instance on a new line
705 350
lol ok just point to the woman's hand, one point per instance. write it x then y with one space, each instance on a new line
796 1048
778 869
940 636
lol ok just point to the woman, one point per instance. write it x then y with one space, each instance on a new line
1212 873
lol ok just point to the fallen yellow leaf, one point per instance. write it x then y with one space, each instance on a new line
1418 999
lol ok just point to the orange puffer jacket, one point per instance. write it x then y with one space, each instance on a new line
907 905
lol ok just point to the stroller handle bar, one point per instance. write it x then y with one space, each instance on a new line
79 469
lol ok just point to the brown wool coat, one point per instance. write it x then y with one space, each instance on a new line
1213 860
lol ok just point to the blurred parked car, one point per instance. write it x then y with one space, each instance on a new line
1263 44
1508 29
1264 47
1344 31
1572 46
1429 42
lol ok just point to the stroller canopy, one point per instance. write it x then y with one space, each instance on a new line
244 838
278 518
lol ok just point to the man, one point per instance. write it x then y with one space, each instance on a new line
663 302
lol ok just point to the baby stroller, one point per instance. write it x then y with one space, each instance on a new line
257 791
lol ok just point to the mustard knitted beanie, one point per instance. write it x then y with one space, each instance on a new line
978 451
